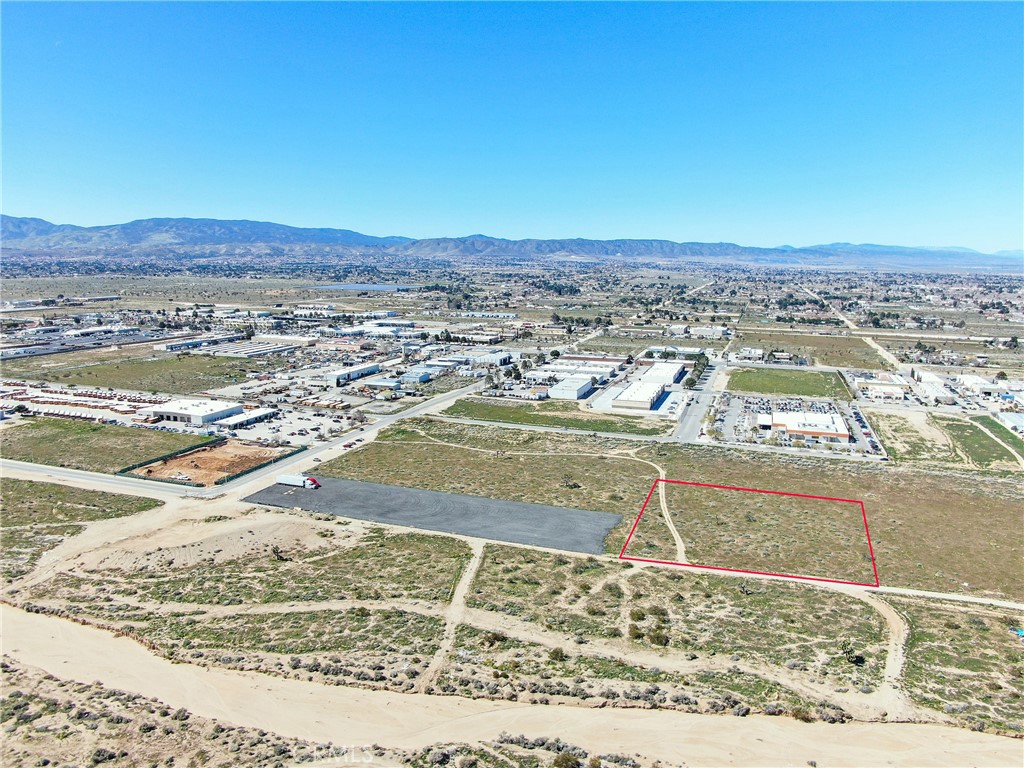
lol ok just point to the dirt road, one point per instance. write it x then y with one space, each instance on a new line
356 716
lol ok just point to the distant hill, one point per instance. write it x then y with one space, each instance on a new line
188 238
37 233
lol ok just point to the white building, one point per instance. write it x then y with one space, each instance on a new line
1012 421
826 427
749 354
889 392
664 373
338 377
980 386
195 412
571 388
699 331
640 395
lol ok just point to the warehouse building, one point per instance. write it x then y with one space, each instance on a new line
195 412
571 388
932 390
640 395
247 417
342 375
664 373
416 375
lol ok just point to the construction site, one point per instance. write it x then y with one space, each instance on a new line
206 465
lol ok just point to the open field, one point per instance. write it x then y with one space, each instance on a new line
87 445
931 530
374 566
911 437
613 345
39 516
980 449
698 615
493 665
139 368
967 663
300 633
838 351
762 532
776 381
552 413
206 465
1009 437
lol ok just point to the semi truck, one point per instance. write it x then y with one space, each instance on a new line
299 481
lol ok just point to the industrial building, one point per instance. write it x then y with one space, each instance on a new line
664 373
342 375
571 388
980 386
250 349
641 395
932 390
1012 421
181 345
195 412
416 375
247 417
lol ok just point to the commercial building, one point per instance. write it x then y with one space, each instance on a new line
886 392
824 427
881 380
571 388
193 412
749 354
640 395
247 417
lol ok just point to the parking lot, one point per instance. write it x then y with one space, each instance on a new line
574 530
735 420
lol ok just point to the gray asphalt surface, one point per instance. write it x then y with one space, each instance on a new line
574 530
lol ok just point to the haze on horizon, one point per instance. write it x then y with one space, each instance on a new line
764 124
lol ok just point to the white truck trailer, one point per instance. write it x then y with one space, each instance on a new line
299 481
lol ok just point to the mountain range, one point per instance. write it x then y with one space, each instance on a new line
168 236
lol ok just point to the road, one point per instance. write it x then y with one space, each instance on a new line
885 354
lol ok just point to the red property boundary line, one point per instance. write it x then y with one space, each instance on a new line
654 486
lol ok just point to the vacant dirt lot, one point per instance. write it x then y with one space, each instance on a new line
207 465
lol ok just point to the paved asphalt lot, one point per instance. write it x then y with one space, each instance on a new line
573 530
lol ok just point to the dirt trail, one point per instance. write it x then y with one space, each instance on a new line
358 716
890 695
663 503
454 615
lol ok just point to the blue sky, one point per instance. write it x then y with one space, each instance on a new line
761 124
